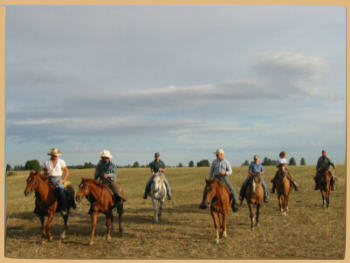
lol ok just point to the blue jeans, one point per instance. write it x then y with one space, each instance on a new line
245 184
229 185
61 193
149 183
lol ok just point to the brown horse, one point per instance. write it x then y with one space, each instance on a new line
283 190
46 202
255 196
325 186
101 200
217 197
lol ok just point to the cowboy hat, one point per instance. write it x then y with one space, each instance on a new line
219 151
54 152
106 154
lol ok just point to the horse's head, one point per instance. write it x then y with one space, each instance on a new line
32 182
209 191
84 189
257 178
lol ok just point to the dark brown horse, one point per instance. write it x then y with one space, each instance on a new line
283 190
325 186
255 196
46 201
101 200
217 197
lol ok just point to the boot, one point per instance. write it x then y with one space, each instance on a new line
266 199
332 185
169 196
234 205
145 196
294 185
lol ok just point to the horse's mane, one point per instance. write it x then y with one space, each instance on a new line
98 183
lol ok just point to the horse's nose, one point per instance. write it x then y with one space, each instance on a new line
78 198
26 193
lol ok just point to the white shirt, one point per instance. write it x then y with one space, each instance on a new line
57 170
281 161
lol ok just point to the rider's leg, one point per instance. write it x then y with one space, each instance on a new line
116 190
168 188
61 193
332 181
233 192
294 184
273 181
316 181
266 191
243 189
148 187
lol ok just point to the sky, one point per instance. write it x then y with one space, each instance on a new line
179 80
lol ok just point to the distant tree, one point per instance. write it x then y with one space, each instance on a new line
32 165
88 165
203 163
266 161
302 161
191 164
136 165
180 165
292 161
8 168
246 163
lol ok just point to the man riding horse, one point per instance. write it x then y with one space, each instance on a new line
106 172
254 168
220 169
54 169
157 166
282 162
323 164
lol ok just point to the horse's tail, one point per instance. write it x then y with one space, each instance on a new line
70 193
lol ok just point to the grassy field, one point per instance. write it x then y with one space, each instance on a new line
308 231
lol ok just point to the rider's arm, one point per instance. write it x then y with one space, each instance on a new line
228 168
262 171
331 163
318 164
211 173
250 171
162 169
112 172
65 170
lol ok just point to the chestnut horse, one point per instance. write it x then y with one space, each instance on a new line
283 190
217 197
255 196
325 186
101 200
46 201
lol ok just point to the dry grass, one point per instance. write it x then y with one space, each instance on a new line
308 231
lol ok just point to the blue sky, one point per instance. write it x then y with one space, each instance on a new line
181 80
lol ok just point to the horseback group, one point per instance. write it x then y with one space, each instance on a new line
219 193
55 194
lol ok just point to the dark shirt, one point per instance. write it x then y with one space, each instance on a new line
155 165
324 163
103 168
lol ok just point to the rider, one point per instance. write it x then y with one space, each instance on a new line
157 165
254 168
324 163
220 169
54 168
282 161
106 172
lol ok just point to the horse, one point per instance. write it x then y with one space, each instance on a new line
283 190
217 197
46 202
158 193
325 186
102 200
254 195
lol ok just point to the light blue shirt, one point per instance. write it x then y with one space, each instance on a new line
218 166
255 168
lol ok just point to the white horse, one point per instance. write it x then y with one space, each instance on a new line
158 194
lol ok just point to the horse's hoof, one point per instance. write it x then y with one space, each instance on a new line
91 243
63 236
109 238
284 213
224 234
217 241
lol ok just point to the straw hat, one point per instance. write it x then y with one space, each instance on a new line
54 152
219 151
106 154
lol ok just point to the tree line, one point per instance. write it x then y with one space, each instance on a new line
35 164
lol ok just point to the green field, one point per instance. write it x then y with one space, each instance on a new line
308 231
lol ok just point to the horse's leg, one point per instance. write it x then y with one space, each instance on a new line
43 230
120 210
65 219
327 196
257 214
48 222
216 225
323 199
224 223
220 217
160 210
108 224
155 204
251 215
93 226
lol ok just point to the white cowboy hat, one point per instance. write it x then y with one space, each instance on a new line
55 152
106 153
219 151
